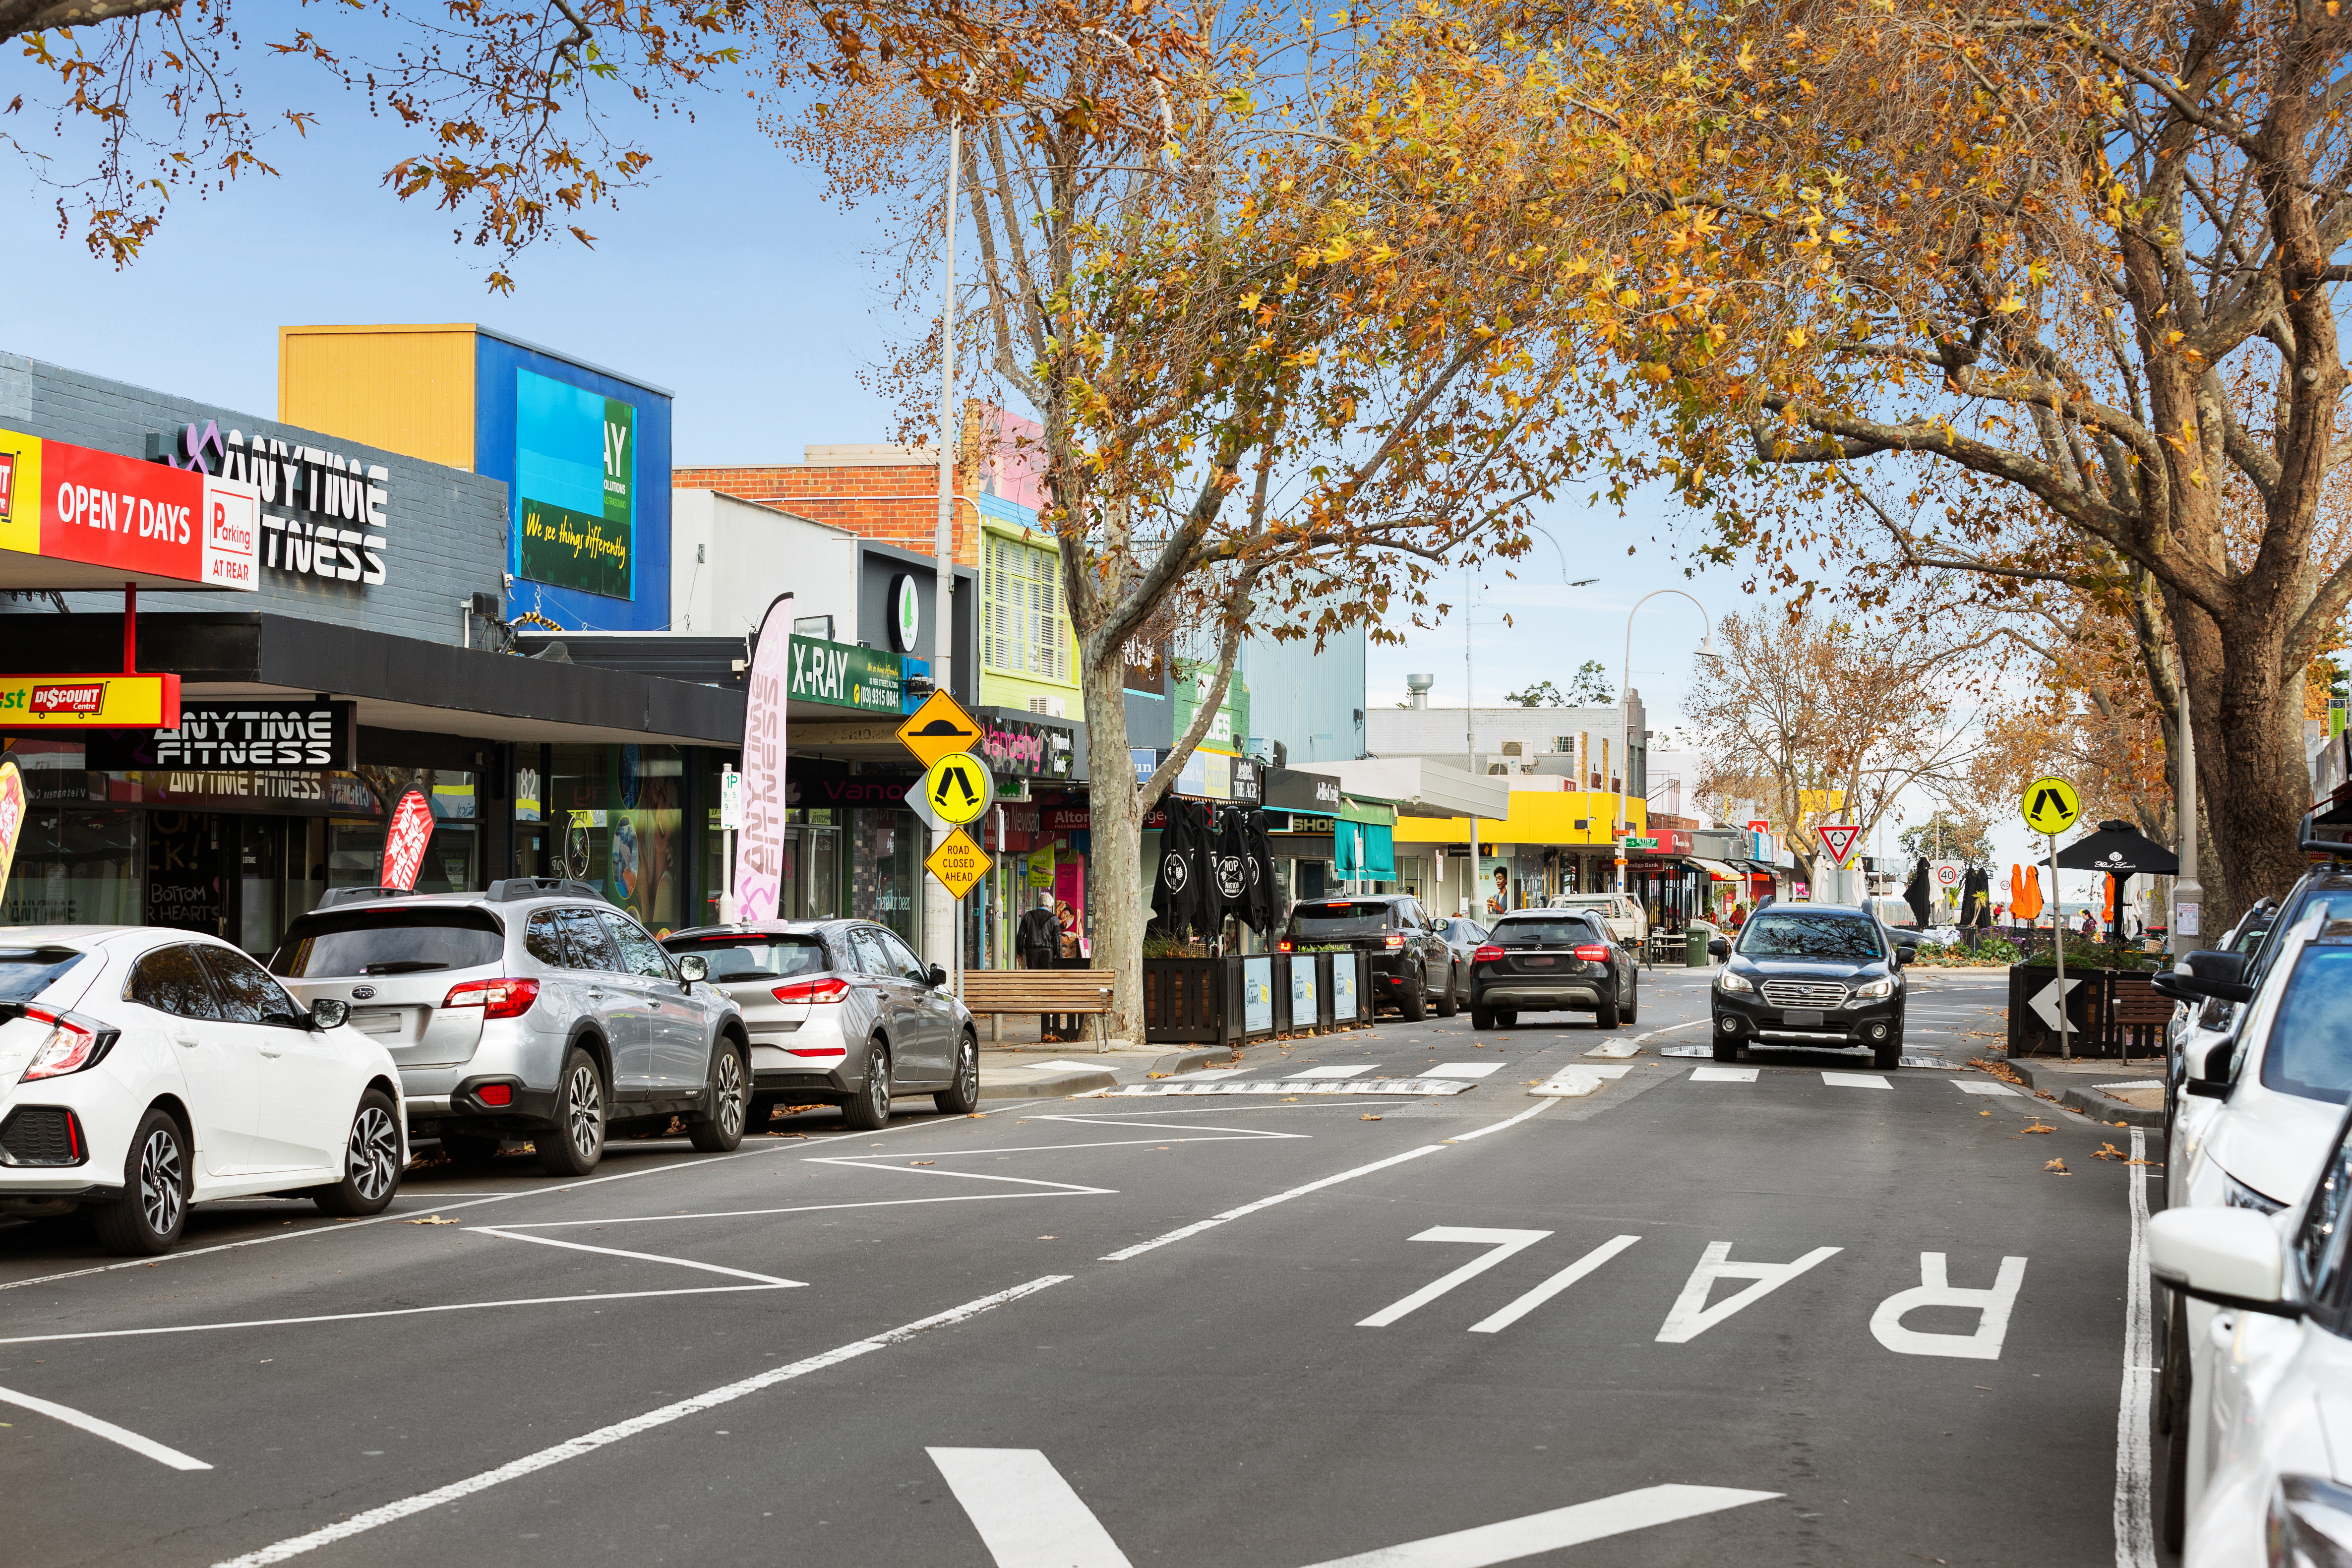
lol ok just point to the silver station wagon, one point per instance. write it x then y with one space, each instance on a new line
534 1010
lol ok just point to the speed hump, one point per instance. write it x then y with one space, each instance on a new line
2049 806
959 788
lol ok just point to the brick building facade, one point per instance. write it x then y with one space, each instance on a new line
893 502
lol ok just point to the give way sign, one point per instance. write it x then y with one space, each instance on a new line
1838 837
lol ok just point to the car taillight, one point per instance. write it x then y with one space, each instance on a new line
818 1051
832 988
1594 952
1282 946
1487 954
496 998
1396 939
73 1043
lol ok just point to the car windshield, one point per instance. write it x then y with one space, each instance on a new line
1543 933
388 942
2310 1049
1794 933
1601 906
26 972
757 958
1340 918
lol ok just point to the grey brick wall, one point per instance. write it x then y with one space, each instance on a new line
444 528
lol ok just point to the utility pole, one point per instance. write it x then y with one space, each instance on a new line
940 922
2187 895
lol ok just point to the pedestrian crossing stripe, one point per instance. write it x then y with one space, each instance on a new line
1290 1086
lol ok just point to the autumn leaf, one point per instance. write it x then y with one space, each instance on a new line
2059 1166
2038 1127
432 1219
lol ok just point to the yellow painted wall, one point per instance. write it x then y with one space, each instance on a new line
1537 816
405 389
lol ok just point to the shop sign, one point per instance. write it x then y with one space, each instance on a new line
1066 819
241 734
906 613
64 502
1324 825
89 701
321 515
841 676
755 880
405 838
1020 750
1148 662
1289 789
1249 779
575 478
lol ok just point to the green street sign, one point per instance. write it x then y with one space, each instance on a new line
1633 843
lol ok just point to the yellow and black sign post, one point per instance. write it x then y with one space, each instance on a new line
2050 806
957 787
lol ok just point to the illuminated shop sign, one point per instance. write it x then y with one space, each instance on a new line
322 515
130 520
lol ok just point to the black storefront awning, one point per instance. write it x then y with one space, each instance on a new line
398 683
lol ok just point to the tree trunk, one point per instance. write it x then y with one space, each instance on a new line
2251 779
1117 828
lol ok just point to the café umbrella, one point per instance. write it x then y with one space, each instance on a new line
2122 852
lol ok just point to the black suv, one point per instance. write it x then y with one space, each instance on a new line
1411 960
1540 961
1811 974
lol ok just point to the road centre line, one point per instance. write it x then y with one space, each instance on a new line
106 1429
1499 1126
644 1258
385 1313
604 1437
1071 1188
1235 1135
2135 1529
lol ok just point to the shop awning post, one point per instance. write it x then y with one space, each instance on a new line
130 628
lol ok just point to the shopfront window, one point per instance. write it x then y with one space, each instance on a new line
76 867
884 856
618 813
453 857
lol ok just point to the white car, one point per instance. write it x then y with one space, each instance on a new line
2279 1483
2252 1137
143 1068
1626 919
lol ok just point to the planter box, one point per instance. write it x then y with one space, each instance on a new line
2107 1010
1234 1000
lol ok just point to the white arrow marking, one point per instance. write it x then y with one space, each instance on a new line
2045 1002
1504 1242
106 1429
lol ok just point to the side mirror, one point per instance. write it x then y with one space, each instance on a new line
2217 974
693 967
329 1014
938 977
2232 1257
1717 947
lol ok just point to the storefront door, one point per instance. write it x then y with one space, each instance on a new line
187 879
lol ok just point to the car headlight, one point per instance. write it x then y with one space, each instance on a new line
2309 1524
1871 990
2236 1194
1731 982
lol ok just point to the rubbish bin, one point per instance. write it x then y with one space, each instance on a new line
1699 958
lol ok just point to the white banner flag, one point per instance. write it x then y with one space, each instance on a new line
760 844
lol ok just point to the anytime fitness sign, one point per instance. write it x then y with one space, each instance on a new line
322 514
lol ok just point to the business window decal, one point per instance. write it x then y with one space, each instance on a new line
576 476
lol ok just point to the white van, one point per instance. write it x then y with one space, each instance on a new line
1622 913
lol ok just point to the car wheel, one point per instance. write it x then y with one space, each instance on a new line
371 1162
467 1148
722 1132
1451 1002
573 1145
1416 1000
1604 1016
1889 1055
1726 1047
147 1218
1634 999
1481 1017
1506 1017
964 1097
870 1108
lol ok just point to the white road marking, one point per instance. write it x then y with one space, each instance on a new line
1977 1085
1573 1526
1463 1070
2135 1529
1552 1287
1057 1065
1501 1242
1499 1126
1934 1289
1197 1226
1570 1083
1289 1086
106 1429
1331 1071
856 1163
641 1256
1644 1040
1026 1514
1854 1080
604 1437
1621 1048
1691 1316
386 1312
1723 1075
2133 1083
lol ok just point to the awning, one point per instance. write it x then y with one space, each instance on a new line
1718 870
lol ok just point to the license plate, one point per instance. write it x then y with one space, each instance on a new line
376 1021
1538 963
1807 1020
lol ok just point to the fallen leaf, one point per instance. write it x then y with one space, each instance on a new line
1368 1117
432 1219
1289 1099
1984 1113
1049 1238
2059 1166
922 1161
2109 1152
1155 1075
2037 1126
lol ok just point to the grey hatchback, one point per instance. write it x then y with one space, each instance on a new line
840 1013
534 1010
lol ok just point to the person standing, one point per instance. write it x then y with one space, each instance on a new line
1038 940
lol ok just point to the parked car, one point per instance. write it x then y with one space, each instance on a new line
534 1010
2276 1487
1811 974
2260 1112
840 1013
143 1068
1410 958
1464 936
1552 961
1895 914
1628 921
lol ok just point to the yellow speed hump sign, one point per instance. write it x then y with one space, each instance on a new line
937 728
959 789
959 864
2049 806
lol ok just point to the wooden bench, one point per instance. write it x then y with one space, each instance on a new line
2141 1013
997 991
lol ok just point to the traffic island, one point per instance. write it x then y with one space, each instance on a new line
2109 1090
1042 1081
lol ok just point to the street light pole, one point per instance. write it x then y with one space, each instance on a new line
941 922
1624 689
2187 895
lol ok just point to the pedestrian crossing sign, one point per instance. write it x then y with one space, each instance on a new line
2050 805
960 864
959 788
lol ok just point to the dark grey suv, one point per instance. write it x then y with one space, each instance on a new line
1548 961
534 1010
